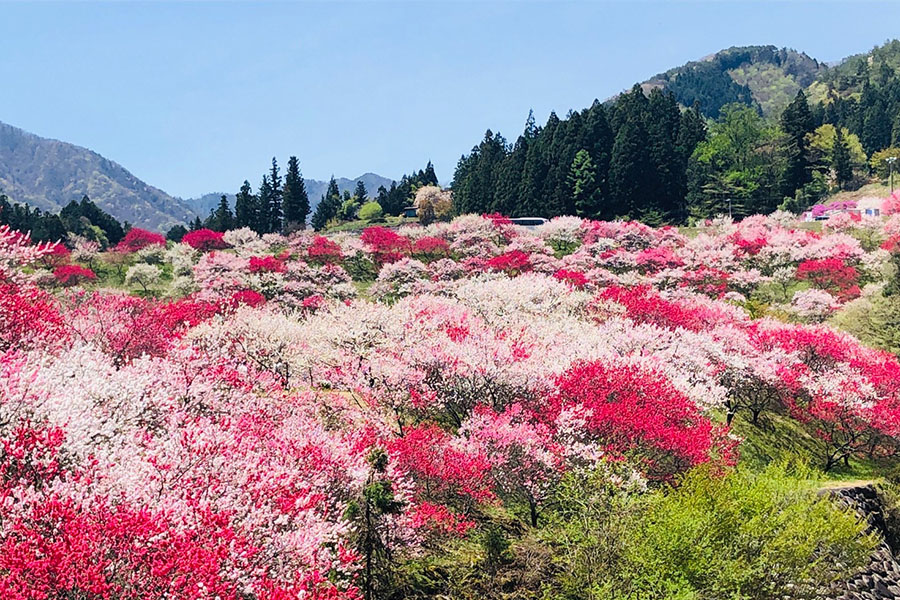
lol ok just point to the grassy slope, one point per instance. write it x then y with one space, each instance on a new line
779 438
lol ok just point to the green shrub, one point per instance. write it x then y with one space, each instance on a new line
370 211
739 536
750 536
875 321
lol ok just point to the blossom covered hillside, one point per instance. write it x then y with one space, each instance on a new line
311 417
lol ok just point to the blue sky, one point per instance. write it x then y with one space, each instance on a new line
196 97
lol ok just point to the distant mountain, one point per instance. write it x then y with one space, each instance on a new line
315 189
48 174
207 202
763 76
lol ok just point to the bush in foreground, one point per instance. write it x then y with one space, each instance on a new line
744 535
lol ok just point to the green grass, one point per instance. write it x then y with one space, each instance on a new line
779 438
359 225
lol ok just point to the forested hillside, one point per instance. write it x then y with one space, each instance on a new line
763 76
646 156
48 174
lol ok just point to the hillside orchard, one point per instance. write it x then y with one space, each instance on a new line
396 413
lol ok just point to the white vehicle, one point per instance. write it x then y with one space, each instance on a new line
528 222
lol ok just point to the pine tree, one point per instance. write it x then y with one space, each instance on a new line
628 171
275 199
222 217
796 123
876 128
597 138
691 132
295 199
840 159
382 197
245 207
328 206
429 177
361 193
264 205
663 121
895 131
583 183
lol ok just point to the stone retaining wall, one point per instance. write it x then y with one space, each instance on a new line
881 579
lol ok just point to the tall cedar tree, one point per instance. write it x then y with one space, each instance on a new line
583 181
361 193
275 199
840 159
245 207
221 219
328 206
430 177
667 173
263 207
796 123
296 201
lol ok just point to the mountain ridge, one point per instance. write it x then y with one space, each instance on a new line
47 173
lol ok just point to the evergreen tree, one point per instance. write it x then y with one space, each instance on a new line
264 206
796 123
382 197
78 217
361 193
429 177
245 207
597 138
691 132
296 200
583 182
667 173
628 171
840 159
895 131
176 232
275 199
876 128
328 206
196 224
43 227
222 217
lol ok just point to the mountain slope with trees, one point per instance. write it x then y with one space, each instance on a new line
645 156
765 77
48 174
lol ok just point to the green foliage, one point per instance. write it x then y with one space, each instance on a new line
370 211
221 218
583 181
246 206
742 535
44 227
348 210
874 320
176 232
882 167
736 169
328 206
295 199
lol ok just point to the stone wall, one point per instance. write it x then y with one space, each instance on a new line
881 579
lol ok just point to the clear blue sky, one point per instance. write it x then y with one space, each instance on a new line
197 97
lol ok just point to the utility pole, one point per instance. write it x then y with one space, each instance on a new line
890 161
